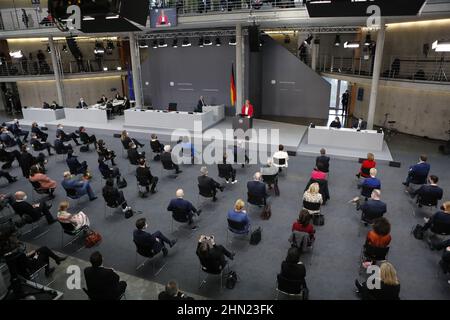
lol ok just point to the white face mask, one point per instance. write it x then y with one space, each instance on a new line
61 128
25 198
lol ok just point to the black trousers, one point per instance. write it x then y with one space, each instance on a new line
152 185
6 175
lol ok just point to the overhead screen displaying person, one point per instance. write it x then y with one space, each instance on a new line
163 18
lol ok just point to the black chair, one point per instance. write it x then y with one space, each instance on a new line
440 229
148 255
111 207
142 188
220 273
237 228
86 140
38 190
366 191
374 254
120 297
291 288
168 165
204 192
72 194
180 216
69 229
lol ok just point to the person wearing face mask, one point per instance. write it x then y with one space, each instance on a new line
66 137
151 243
7 140
82 104
30 213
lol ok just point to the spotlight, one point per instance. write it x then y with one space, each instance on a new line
119 68
143 44
368 41
48 49
337 41
308 40
218 43
232 41
200 42
162 43
64 49
351 44
105 69
154 44
186 43
175 43
207 42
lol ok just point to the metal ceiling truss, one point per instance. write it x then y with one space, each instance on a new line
316 30
189 34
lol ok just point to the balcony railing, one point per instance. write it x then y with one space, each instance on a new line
44 68
435 68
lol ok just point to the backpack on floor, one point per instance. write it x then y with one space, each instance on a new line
255 237
267 212
84 149
128 214
230 280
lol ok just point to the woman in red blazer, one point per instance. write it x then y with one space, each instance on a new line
247 109
367 164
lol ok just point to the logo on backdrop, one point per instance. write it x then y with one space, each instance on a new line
374 279
374 21
73 281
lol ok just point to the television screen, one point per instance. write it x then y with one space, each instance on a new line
163 17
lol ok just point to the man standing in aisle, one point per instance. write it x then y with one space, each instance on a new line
345 100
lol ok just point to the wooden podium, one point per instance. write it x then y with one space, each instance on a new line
242 122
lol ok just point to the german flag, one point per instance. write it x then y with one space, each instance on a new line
232 87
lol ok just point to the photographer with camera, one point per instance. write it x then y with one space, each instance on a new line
212 255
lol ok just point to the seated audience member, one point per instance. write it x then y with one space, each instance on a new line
270 172
280 155
292 269
60 146
39 146
144 176
157 147
182 207
66 137
45 182
153 243
85 138
303 224
336 123
418 173
74 165
8 157
389 285
110 173
166 159
27 160
114 197
312 199
8 177
104 152
370 183
238 214
316 174
18 132
134 155
102 283
227 171
323 162
125 139
429 194
30 213
172 292
373 208
80 186
212 255
366 165
82 104
38 132
208 183
78 220
440 221
8 140
257 188
28 263
379 236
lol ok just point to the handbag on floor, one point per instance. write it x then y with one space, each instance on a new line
318 220
267 212
92 239
418 232
122 183
255 237
230 279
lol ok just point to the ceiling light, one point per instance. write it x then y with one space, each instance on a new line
154 44
368 41
88 18
441 46
175 43
218 43
351 44
186 43
337 41
113 17
119 68
162 43
105 69
232 41
16 54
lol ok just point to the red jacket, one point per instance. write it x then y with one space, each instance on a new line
367 165
163 20
250 110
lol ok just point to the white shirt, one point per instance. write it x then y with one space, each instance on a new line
281 155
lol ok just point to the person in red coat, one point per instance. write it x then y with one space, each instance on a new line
163 19
366 165
247 109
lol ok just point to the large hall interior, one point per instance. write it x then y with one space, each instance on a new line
225 150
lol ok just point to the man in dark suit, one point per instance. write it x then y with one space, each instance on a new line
8 140
82 104
74 165
38 132
61 147
201 103
144 176
183 207
134 155
166 159
66 137
429 194
209 183
227 171
257 187
322 161
40 146
103 283
373 208
418 173
345 100
173 293
336 123
359 124
152 243
31 212
18 132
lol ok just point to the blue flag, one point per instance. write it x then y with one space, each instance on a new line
130 85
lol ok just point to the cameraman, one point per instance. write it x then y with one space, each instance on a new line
211 255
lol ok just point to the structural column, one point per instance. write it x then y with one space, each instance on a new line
57 72
314 54
338 94
376 76
240 66
136 70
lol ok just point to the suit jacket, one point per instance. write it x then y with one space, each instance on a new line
7 140
419 173
146 241
82 105
133 156
200 105
144 175
102 283
429 194
60 147
166 157
214 261
323 163
335 124
111 195
74 165
62 134
24 208
26 160
181 205
208 182
257 188
250 110
373 209
225 169
126 142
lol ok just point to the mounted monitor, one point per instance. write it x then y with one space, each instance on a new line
163 18
172 106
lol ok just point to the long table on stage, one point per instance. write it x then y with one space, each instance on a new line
42 115
159 119
92 114
346 138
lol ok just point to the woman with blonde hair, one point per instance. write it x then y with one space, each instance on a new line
312 199
386 287
78 220
239 215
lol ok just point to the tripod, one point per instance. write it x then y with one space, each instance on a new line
440 74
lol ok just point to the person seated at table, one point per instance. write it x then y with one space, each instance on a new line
429 193
201 103
280 155
208 183
39 146
359 124
166 158
239 215
85 138
371 209
55 105
336 123
372 182
45 182
78 220
45 105
144 176
28 263
28 212
60 146
38 132
292 269
389 288
227 170
118 97
366 165
171 292
26 160
103 100
212 255
126 104
440 219
18 131
323 161
66 137
80 186
418 173
74 165
125 138
303 224
8 140
379 236
153 243
104 152
134 155
183 207
81 104
114 197
8 157
316 174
